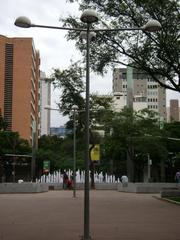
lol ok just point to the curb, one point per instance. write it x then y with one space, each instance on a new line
167 200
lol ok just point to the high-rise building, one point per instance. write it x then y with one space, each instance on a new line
137 89
45 100
19 79
174 110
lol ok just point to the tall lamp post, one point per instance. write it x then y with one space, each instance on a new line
88 17
75 109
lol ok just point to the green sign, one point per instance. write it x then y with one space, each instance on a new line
46 166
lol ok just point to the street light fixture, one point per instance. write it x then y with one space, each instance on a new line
88 17
48 107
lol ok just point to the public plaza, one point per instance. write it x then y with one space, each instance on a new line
38 205
113 216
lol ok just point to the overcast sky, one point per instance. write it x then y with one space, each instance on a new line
55 50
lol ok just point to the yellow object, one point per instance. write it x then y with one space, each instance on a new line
95 153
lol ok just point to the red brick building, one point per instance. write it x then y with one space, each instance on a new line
19 77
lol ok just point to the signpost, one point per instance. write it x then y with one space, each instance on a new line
46 166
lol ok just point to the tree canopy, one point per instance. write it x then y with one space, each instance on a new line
11 143
71 83
126 133
157 54
134 135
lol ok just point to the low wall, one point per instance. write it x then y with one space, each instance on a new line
80 186
170 192
145 187
130 187
25 187
55 186
59 186
106 186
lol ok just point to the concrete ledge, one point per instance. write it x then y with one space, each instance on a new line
145 187
59 186
55 186
106 186
25 187
80 186
170 193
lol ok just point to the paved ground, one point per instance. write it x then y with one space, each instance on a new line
114 216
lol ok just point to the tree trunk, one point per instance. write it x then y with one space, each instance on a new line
162 171
130 163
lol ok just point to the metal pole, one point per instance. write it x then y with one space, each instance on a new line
149 168
33 160
86 186
14 169
74 154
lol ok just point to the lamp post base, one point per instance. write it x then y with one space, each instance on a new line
86 238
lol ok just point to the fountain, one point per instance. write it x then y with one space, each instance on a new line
57 177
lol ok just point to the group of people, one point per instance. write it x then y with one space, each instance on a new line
67 182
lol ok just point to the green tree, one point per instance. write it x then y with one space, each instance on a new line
71 83
11 143
155 53
59 152
12 148
172 136
131 136
49 149
3 123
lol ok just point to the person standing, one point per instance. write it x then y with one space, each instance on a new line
65 180
177 176
124 180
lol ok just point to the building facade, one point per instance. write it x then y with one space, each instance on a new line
138 90
173 111
19 82
61 131
44 101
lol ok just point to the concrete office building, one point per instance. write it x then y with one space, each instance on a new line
45 99
173 111
139 91
19 80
